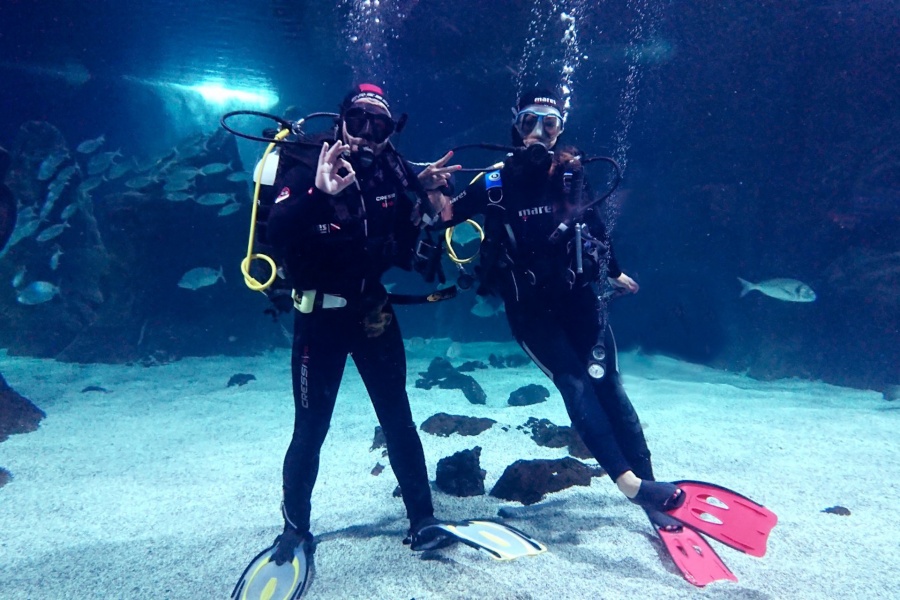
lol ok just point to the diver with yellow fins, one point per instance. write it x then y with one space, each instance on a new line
337 223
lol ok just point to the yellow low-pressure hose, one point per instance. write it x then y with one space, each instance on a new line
448 233
448 237
250 282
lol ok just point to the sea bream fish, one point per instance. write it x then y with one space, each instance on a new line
101 162
215 199
200 277
50 164
88 146
51 232
54 260
19 278
37 292
214 168
229 209
789 290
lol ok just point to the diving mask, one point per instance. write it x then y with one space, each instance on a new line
362 123
540 121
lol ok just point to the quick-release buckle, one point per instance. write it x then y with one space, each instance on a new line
308 300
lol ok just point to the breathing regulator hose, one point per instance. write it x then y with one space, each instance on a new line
249 281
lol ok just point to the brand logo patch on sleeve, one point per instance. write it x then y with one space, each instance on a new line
285 192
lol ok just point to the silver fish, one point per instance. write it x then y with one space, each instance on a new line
178 197
213 168
68 211
19 277
102 162
51 232
215 199
484 309
139 183
50 164
200 277
144 165
24 228
192 146
54 260
65 175
190 151
37 292
116 170
183 174
52 195
229 209
789 290
177 186
88 146
26 214
238 176
88 185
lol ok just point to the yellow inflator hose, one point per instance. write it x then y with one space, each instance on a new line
448 237
249 281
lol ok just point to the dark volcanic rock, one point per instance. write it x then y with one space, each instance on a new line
461 474
440 368
545 433
529 394
17 413
528 481
471 365
442 374
510 360
443 425
241 379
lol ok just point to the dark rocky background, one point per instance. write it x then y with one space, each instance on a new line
765 143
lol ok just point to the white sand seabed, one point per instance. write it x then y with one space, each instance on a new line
167 486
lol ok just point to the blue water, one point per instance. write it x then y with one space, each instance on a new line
759 138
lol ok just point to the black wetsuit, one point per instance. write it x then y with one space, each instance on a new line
340 246
555 314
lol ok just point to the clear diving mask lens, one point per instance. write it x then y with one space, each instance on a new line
549 121
360 122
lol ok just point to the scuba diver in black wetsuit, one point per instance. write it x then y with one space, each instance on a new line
339 227
545 254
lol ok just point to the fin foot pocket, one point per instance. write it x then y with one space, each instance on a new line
264 578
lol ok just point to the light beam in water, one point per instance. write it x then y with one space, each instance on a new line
220 95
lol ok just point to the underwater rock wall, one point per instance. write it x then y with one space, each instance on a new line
115 259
